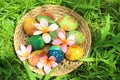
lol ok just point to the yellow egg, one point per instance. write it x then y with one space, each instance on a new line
36 56
74 52
28 26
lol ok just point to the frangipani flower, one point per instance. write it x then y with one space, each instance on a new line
24 53
62 40
44 27
47 63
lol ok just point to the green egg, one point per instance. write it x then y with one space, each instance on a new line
68 23
55 48
79 36
49 20
36 41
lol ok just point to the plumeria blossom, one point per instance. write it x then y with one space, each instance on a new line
44 28
47 63
24 53
62 40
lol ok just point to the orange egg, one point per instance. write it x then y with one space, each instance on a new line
74 52
35 57
28 26
47 14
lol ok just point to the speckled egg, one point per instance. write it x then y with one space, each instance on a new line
79 36
49 20
36 41
57 53
68 23
28 26
36 55
74 52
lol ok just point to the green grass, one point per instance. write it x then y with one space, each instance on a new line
103 19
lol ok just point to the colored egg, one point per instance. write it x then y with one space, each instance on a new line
68 23
36 41
47 14
28 26
79 36
57 53
74 52
54 34
48 19
36 55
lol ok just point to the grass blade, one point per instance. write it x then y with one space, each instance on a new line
30 73
106 29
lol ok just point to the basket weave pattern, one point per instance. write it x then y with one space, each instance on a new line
66 66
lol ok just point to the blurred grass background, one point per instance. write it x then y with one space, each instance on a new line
103 19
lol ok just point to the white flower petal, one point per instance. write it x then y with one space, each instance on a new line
37 32
23 48
19 52
37 25
43 22
47 69
46 37
21 58
54 64
53 27
39 65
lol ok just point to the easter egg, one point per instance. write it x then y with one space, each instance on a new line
54 34
74 52
36 41
47 14
68 23
28 26
57 53
79 37
48 19
36 55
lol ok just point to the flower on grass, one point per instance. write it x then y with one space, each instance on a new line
44 28
62 40
24 53
47 63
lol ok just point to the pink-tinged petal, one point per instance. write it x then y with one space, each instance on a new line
29 56
47 69
46 37
21 58
71 40
38 26
64 48
43 58
37 32
39 65
29 48
43 22
53 27
56 42
52 58
23 48
19 52
61 34
53 64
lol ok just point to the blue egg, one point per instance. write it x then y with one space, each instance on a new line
57 53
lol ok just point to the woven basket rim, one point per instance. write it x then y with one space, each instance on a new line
56 7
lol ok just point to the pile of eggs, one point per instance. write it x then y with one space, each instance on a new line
39 47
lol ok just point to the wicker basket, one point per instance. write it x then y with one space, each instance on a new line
65 66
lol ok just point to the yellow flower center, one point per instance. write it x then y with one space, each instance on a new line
45 29
25 54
